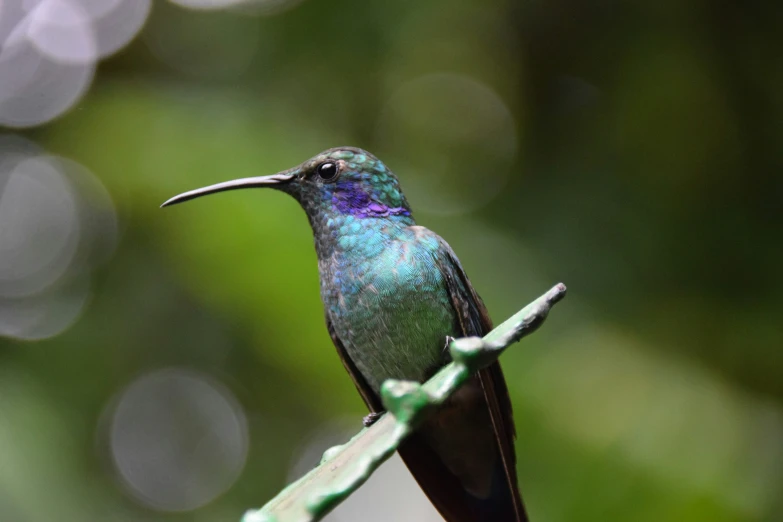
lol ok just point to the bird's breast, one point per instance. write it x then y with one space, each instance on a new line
391 310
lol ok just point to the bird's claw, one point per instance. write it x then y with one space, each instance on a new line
449 340
372 418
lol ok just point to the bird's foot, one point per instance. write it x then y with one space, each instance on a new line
372 418
449 340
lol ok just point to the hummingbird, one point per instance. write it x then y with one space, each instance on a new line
394 295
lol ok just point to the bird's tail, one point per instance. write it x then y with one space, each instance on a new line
448 496
499 505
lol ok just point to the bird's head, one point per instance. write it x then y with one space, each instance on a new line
343 180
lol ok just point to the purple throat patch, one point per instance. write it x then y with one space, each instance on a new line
351 199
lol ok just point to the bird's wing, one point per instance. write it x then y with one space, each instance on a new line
372 401
473 320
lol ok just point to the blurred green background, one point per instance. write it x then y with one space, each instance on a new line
174 365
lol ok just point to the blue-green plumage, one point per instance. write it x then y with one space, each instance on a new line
392 292
384 295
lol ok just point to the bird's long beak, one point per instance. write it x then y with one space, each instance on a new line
260 181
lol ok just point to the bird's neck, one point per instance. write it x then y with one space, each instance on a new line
345 234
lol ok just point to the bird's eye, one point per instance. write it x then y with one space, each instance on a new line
327 171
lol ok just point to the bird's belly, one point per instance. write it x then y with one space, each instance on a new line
394 330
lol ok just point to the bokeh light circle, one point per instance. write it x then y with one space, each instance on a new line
46 315
116 22
83 31
97 9
40 227
97 214
62 31
52 89
178 439
49 50
19 62
57 221
452 140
